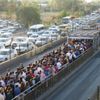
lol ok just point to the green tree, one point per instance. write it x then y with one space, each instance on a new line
63 14
70 6
3 5
11 8
28 15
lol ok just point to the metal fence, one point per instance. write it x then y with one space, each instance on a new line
37 90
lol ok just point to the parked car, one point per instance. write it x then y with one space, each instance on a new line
33 38
6 54
54 29
18 40
46 34
53 36
5 41
36 29
2 46
6 35
41 41
24 47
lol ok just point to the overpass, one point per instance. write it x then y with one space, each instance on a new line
80 85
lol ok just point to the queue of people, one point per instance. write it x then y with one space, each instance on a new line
13 83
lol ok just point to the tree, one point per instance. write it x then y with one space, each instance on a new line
64 14
67 5
11 8
3 5
28 15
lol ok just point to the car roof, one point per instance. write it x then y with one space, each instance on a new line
20 37
5 49
3 38
36 26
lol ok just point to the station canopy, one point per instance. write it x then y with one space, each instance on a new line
82 34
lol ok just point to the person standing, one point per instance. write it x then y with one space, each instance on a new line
1 95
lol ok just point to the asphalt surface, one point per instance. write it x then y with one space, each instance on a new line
81 84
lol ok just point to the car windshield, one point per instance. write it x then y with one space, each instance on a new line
5 36
19 40
34 36
4 52
46 33
24 45
53 35
3 40
53 30
33 30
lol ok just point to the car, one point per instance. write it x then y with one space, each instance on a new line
6 41
64 29
1 46
24 47
41 41
6 54
18 40
36 29
6 35
46 34
29 33
53 36
49 35
54 29
33 38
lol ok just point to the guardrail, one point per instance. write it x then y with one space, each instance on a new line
35 91
26 56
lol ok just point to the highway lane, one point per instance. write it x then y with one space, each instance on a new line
80 85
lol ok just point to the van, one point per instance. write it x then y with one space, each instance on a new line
36 29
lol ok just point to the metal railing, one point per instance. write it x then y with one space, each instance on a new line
37 90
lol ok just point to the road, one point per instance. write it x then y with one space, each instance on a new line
79 85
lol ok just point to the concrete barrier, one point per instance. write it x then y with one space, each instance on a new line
15 62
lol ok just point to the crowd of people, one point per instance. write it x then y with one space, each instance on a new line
13 83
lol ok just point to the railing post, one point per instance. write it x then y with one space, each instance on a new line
98 92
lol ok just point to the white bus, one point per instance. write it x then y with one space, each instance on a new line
36 29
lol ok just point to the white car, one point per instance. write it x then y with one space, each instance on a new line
54 28
41 41
6 54
49 35
33 38
1 46
53 36
5 41
46 34
29 33
24 47
38 29
6 35
18 40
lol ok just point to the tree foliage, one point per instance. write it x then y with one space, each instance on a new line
73 6
28 15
